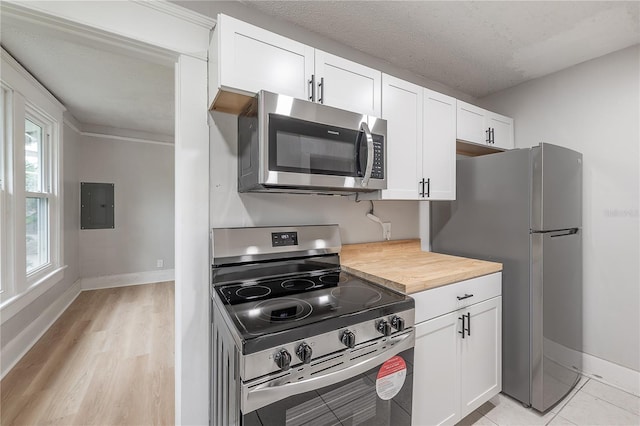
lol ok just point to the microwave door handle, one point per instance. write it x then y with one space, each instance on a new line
369 168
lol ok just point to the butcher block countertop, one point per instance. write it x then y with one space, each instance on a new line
403 266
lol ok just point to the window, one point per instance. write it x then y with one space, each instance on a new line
37 193
30 189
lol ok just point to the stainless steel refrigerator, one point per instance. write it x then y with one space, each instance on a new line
523 208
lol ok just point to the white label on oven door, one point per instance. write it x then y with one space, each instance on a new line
391 377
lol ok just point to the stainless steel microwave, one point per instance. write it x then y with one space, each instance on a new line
296 146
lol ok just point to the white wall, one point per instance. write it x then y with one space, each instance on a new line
229 208
143 174
594 108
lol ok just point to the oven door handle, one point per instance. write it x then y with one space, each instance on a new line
263 395
369 167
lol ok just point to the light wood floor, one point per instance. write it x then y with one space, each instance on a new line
108 360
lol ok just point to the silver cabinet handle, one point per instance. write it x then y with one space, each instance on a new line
369 168
312 83
321 89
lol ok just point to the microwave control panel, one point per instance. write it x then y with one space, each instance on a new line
378 160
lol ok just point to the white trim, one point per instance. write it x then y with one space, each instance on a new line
119 23
72 123
123 280
13 351
179 12
34 14
125 138
12 306
10 60
599 369
73 126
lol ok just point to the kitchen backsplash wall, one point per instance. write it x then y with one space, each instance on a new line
594 108
230 209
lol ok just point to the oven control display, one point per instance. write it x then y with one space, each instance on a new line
279 239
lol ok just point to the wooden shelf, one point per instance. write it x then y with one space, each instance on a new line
471 149
230 102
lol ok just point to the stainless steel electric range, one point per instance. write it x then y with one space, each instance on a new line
297 341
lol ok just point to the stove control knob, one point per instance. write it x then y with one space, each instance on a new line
397 323
348 339
282 359
304 352
384 327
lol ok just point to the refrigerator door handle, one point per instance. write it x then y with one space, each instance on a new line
571 231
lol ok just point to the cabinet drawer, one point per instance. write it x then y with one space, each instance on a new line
442 300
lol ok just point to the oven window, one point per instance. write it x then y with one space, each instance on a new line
354 401
301 146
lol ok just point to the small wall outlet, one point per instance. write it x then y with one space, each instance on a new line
159 263
386 230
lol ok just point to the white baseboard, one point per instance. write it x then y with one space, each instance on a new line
597 368
613 374
13 351
122 280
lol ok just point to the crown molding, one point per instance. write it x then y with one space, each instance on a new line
125 138
94 36
79 128
179 12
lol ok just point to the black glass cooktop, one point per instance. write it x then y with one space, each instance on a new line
281 309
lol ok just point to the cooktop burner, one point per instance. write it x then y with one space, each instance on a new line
254 291
282 309
356 294
298 284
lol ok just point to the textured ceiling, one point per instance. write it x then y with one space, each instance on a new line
99 85
476 47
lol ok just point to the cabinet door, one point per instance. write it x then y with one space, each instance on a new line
436 372
251 59
402 108
471 123
439 145
347 85
502 128
481 354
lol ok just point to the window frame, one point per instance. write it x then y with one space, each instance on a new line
5 134
47 190
25 98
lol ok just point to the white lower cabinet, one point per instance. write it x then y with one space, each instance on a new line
436 372
458 355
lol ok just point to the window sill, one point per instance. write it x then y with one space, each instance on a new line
17 303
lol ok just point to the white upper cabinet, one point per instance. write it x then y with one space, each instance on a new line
484 127
244 59
421 142
471 124
347 85
439 146
402 108
251 59
501 130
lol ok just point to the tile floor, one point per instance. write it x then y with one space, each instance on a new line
590 403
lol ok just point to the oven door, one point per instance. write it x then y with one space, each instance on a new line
380 395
